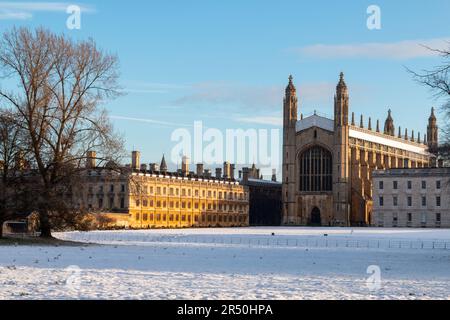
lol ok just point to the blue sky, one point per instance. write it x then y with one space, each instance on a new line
226 63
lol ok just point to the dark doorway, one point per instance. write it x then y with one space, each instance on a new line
315 217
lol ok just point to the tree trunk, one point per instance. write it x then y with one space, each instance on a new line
46 230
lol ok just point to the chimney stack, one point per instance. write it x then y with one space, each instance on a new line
232 171
274 175
135 160
245 175
226 170
218 173
90 159
200 169
185 166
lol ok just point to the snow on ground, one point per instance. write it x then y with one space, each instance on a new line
247 263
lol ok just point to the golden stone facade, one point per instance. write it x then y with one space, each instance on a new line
328 163
140 198
162 201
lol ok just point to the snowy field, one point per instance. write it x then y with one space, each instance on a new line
246 263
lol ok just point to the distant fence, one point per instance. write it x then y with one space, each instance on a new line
263 241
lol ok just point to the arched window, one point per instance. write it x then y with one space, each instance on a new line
316 170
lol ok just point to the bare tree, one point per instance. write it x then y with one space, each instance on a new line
438 81
11 156
60 87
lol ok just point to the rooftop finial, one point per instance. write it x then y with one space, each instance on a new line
341 84
290 89
389 127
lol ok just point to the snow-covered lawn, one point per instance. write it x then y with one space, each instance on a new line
248 263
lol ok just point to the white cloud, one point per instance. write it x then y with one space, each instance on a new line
226 96
269 120
235 95
132 86
408 49
151 121
5 15
25 10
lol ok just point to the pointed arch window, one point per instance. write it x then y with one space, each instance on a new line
316 170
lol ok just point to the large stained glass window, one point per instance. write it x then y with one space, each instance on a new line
316 170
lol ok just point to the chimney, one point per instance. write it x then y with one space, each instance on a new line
232 170
207 173
185 166
218 173
143 167
200 169
90 159
135 160
274 175
226 170
154 167
245 175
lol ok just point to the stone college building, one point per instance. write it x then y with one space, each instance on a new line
138 196
328 163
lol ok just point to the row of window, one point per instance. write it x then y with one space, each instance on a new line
111 203
187 218
409 218
189 192
188 205
409 199
111 189
172 204
409 185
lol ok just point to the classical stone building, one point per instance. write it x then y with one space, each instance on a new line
328 163
152 197
416 198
